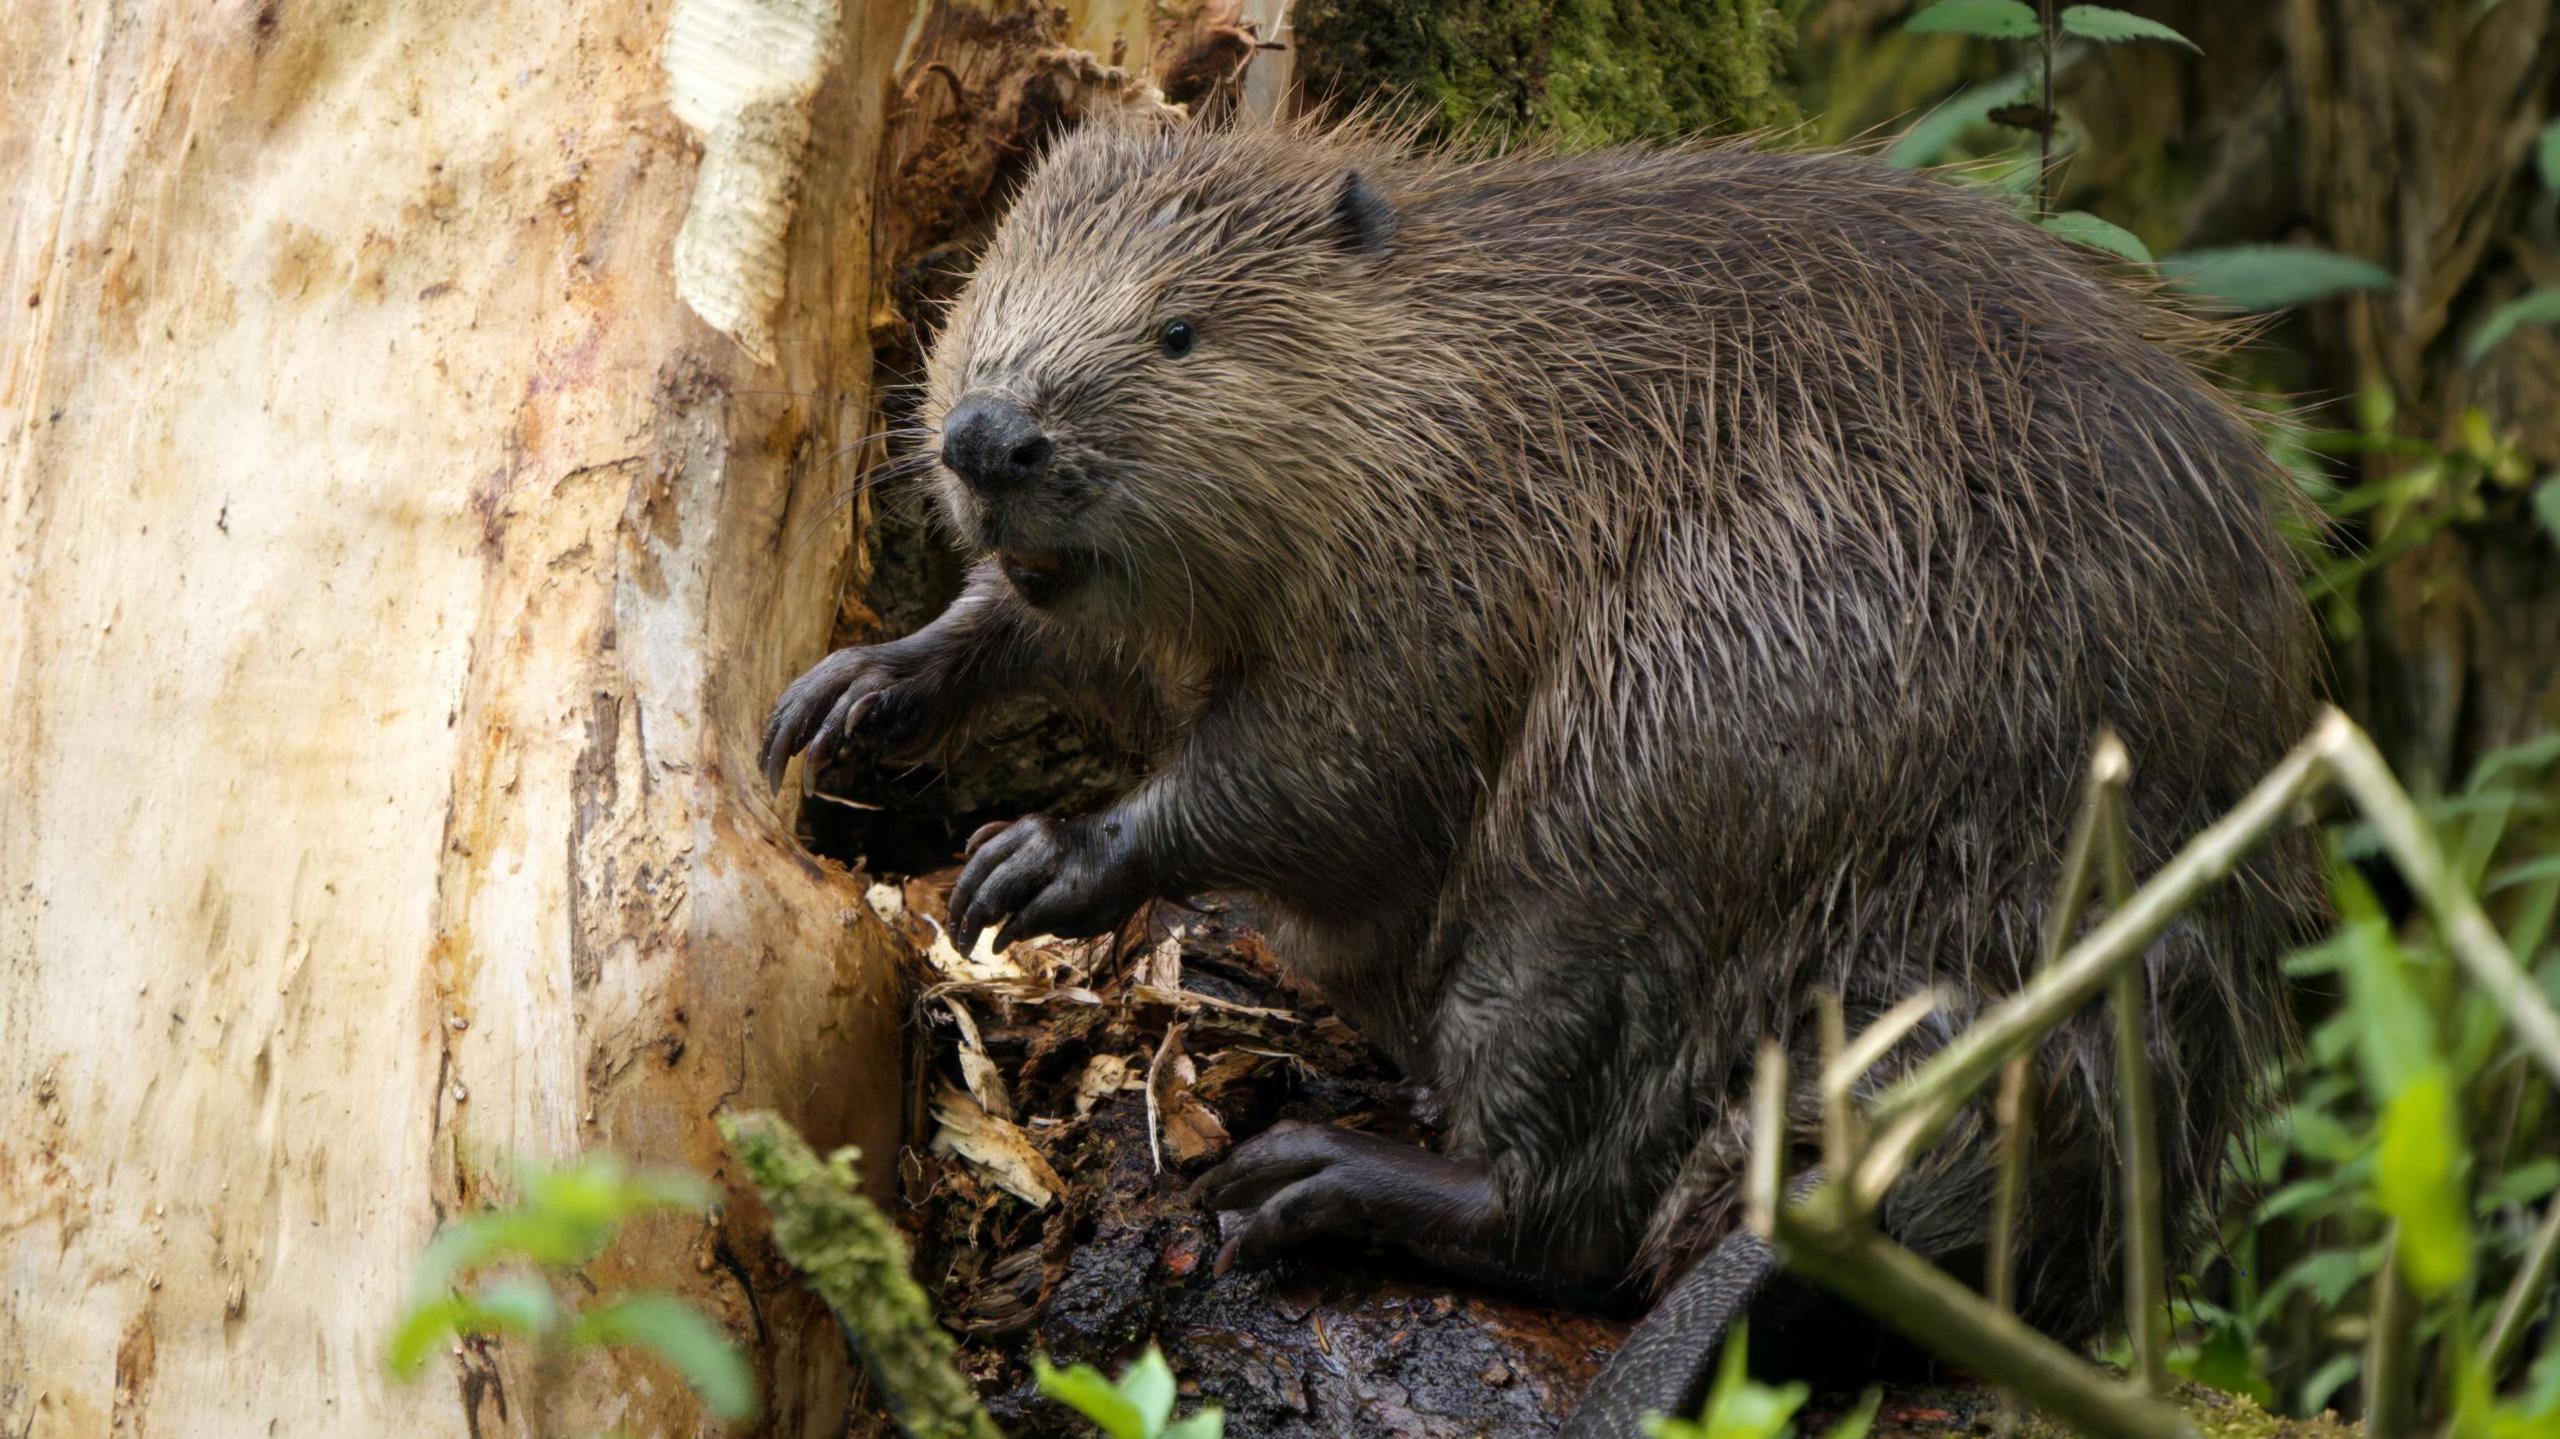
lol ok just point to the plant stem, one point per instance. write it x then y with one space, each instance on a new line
853 1257
2390 1377
2009 1109
1912 1114
2524 1293
2146 1281
1939 1313
2000 1266
2046 122
1839 1110
2365 776
1764 1190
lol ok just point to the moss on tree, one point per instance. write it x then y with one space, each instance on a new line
851 1254
1582 72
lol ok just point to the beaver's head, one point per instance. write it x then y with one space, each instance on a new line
1143 392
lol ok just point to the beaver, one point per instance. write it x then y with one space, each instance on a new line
1600 603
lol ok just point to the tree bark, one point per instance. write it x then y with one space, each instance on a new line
397 575
2416 128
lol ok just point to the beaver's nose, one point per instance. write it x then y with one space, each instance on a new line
993 444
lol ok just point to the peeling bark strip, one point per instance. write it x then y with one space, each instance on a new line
741 75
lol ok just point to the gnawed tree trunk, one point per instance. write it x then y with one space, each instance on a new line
397 575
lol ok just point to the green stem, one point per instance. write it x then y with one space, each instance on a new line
1942 1315
2146 1283
1911 1115
2046 121
2390 1355
2405 833
2000 1267
2524 1294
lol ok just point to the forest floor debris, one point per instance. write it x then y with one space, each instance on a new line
1065 1097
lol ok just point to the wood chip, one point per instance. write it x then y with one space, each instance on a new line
985 1081
1104 1075
995 1148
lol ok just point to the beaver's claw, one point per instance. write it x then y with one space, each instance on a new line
1070 878
1295 1183
867 690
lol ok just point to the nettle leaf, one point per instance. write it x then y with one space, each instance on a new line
514 1304
2272 277
1738 1407
1148 1383
2099 22
2300 1195
1858 1423
2420 1183
2321 1136
1084 1390
2522 1185
2224 1359
1990 19
679 1334
2325 1275
2542 307
2328 1379
422 1327
1139 1406
1933 134
2082 228
2395 1030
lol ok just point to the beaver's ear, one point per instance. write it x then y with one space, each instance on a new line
1363 221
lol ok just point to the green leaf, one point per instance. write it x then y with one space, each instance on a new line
2547 867
567 1217
2395 1030
2271 277
2419 1183
1990 19
2547 151
2082 228
680 1334
2328 1379
2528 757
2300 1195
1933 134
2098 22
2522 1185
1084 1390
2325 1275
2225 1360
1858 1422
421 1328
2541 307
1738 1407
518 1304
1148 1383
2546 505
2320 1136
1207 1424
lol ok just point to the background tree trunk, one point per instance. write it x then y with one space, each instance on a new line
397 574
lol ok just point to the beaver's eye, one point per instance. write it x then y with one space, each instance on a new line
1176 338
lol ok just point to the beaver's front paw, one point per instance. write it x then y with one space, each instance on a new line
1070 878
1299 1182
878 692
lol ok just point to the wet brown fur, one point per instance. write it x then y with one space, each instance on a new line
1605 600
